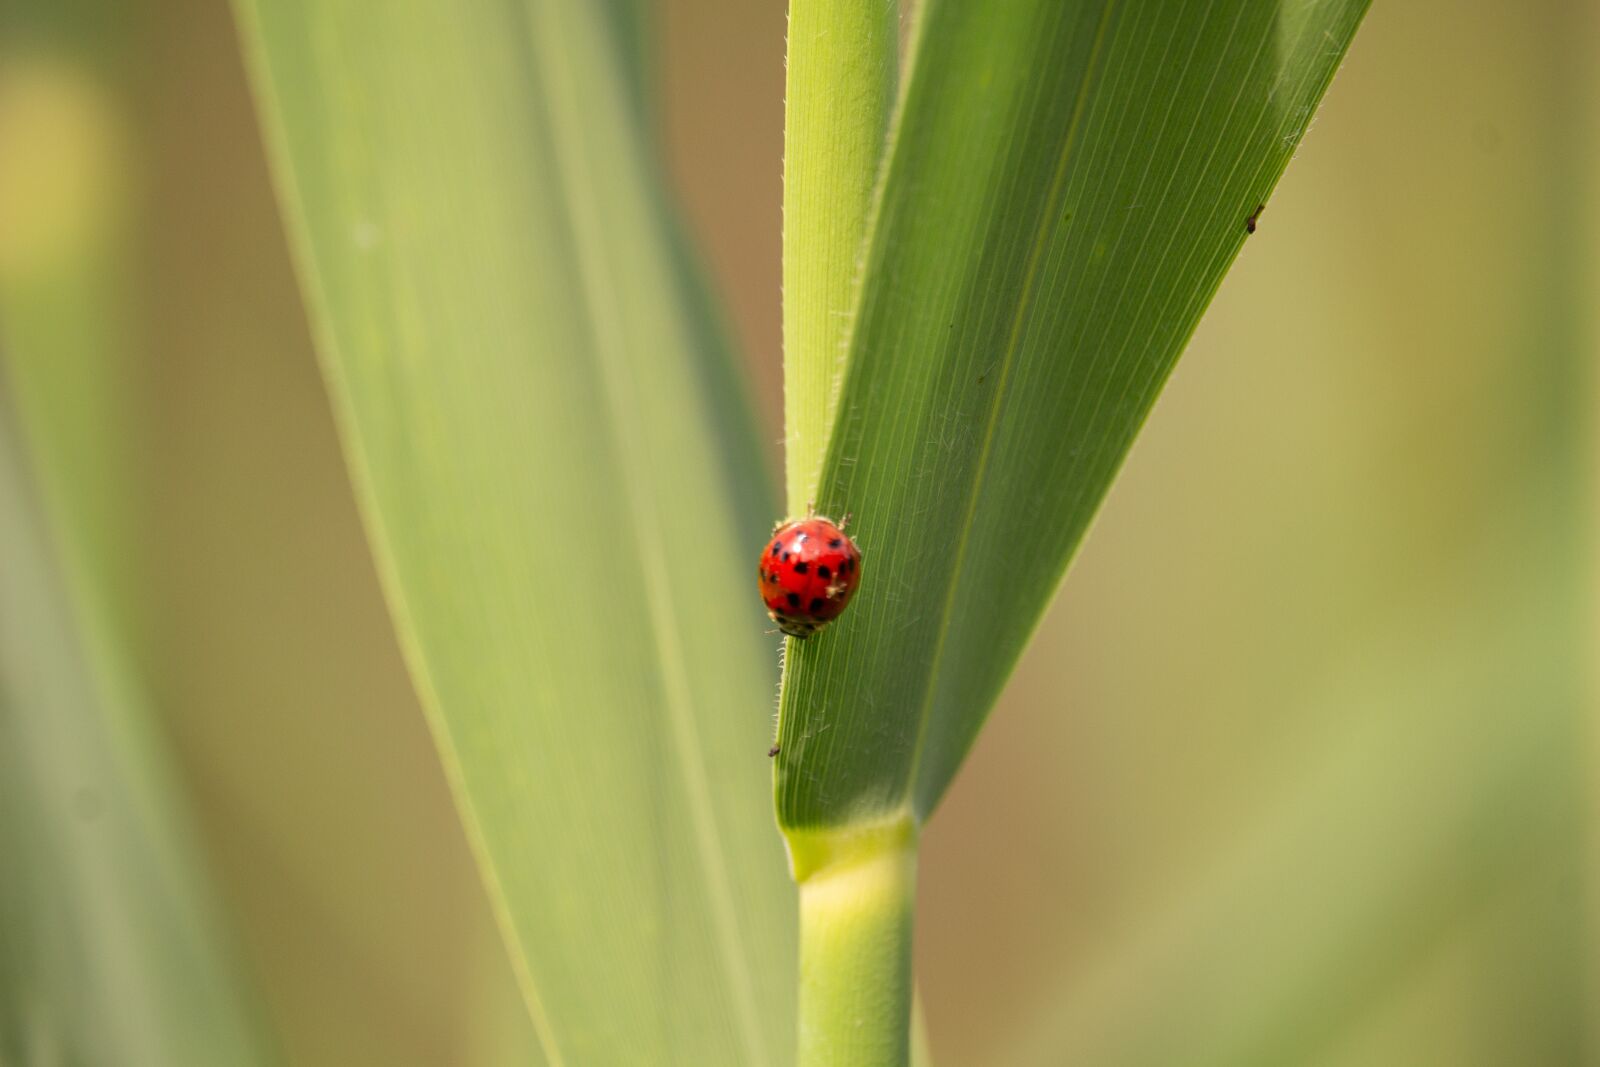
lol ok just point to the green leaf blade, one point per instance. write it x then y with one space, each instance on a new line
523 397
1067 186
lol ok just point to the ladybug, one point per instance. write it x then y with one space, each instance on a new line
809 570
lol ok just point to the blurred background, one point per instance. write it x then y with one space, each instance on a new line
1299 769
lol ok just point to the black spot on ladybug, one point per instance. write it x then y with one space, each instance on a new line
802 567
823 572
786 557
773 751
777 546
794 600
816 603
835 543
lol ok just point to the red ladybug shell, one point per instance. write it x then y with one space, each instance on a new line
809 569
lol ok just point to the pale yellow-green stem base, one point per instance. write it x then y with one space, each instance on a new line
857 899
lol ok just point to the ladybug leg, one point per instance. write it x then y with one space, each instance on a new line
844 521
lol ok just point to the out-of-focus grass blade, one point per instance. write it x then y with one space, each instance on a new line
533 420
1066 186
110 951
631 26
1287 967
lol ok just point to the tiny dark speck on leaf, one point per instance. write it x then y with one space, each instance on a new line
773 751
1255 216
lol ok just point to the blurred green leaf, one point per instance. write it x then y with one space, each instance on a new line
109 950
558 488
1449 770
1065 188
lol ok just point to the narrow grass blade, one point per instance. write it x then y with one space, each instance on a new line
1066 186
530 411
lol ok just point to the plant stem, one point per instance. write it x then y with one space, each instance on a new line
842 68
857 898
